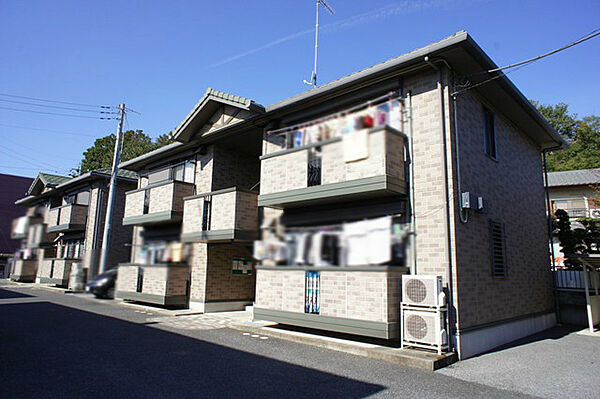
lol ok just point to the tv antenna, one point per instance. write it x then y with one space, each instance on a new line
313 77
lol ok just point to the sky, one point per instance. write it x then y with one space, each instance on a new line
158 57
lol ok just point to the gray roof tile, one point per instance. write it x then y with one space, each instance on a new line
574 177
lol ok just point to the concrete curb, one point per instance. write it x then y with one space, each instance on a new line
406 357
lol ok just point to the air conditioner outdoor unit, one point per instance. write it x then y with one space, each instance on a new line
595 213
423 291
423 327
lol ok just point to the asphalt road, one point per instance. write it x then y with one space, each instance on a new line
59 345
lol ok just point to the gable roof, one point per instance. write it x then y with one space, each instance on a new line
103 173
466 59
581 177
46 180
206 108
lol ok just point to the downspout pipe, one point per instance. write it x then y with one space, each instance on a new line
446 208
550 240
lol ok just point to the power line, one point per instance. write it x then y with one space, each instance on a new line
57 102
26 167
522 64
589 36
58 107
55 113
49 130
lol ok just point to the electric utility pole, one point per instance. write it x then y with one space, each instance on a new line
313 76
111 192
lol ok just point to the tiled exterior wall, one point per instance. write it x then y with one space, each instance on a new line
128 276
222 211
162 198
119 234
221 285
513 188
204 171
284 172
165 280
192 215
234 169
246 211
212 280
62 268
25 267
373 296
45 268
134 204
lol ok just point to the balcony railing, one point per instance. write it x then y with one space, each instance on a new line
162 284
577 212
223 215
157 203
328 171
65 218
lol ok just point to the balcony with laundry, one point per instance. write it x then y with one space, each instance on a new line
357 153
160 198
224 215
66 218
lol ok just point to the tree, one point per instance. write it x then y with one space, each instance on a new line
583 136
135 143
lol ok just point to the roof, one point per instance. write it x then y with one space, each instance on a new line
459 51
45 180
102 173
203 111
579 177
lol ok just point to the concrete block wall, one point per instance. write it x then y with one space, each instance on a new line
513 188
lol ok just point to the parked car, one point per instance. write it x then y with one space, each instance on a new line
103 285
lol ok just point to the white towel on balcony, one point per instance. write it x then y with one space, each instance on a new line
368 241
355 144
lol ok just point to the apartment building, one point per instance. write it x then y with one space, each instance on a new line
30 229
576 192
446 175
71 217
195 211
417 165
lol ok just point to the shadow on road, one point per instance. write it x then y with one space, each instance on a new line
6 294
48 350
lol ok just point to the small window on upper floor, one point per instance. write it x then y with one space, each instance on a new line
489 133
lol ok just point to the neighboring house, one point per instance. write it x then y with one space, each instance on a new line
36 243
11 188
198 191
73 214
576 191
456 180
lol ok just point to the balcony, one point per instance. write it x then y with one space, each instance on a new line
157 203
318 173
19 228
67 218
24 270
224 215
56 271
161 284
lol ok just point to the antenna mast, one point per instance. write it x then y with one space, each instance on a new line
313 77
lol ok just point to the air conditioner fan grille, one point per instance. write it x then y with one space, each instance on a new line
416 326
416 290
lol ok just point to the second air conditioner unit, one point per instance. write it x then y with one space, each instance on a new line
424 328
423 291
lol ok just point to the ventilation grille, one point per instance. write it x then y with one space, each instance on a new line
420 327
498 255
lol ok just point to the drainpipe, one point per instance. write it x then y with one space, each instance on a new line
550 240
411 178
445 190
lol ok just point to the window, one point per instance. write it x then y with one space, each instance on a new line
497 249
159 175
489 133
180 172
83 198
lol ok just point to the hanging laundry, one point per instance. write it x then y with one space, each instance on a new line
355 145
355 248
379 240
